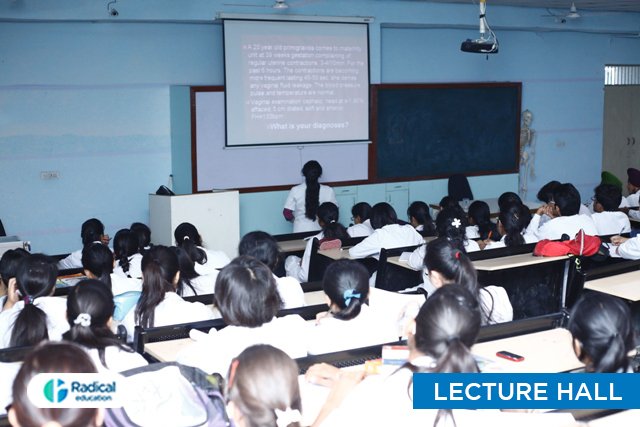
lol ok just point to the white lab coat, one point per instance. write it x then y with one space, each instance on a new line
387 237
73 260
628 250
117 360
296 203
611 223
363 229
528 238
135 267
633 200
54 307
215 261
213 352
120 284
290 292
556 227
299 268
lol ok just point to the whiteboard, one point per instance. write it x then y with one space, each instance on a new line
218 167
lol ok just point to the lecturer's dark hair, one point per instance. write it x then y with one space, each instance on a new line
602 324
159 268
36 277
329 215
98 259
383 214
312 171
262 246
346 283
92 297
52 357
125 244
188 238
92 230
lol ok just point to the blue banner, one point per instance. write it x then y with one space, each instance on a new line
526 391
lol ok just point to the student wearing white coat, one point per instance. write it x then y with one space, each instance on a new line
92 231
633 186
350 322
387 233
39 315
207 262
263 247
159 305
565 218
360 215
97 263
607 218
248 300
512 226
303 200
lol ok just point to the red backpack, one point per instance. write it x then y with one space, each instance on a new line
583 245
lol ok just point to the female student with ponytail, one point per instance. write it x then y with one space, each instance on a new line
439 340
8 268
303 200
328 216
512 226
602 333
97 262
191 283
89 313
207 261
447 264
38 315
349 323
159 305
125 251
92 231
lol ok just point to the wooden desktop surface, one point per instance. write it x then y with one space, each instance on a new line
494 264
292 245
625 285
546 351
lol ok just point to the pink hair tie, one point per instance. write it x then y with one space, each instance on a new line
27 300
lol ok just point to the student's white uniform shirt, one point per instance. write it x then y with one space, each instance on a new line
363 229
389 236
73 260
528 238
54 307
299 268
331 334
290 292
496 304
472 232
203 285
172 310
3 298
584 210
120 284
296 202
117 359
416 259
611 223
135 267
633 200
556 227
627 250
213 352
215 261
8 372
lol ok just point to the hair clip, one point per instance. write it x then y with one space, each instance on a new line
185 238
287 417
83 319
452 338
457 255
27 300
348 295
456 223
333 221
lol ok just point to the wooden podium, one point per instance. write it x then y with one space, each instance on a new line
216 215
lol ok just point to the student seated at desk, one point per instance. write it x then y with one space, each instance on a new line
247 298
564 214
89 313
607 218
625 247
361 217
451 223
602 333
191 283
125 252
387 233
480 224
207 262
97 263
92 231
143 233
263 247
440 339
38 315
447 264
263 389
512 226
420 218
350 322
8 268
328 217
60 357
159 305
633 186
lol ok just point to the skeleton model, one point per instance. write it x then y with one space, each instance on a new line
527 152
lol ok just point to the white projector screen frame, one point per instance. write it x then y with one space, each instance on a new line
295 82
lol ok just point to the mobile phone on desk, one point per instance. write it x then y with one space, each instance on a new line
510 356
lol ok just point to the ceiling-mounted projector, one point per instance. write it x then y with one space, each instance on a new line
488 42
479 46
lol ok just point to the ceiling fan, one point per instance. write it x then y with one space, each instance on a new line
277 4
562 18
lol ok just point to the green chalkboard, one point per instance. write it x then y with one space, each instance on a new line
427 131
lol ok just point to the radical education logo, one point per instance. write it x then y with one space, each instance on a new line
75 390
55 391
